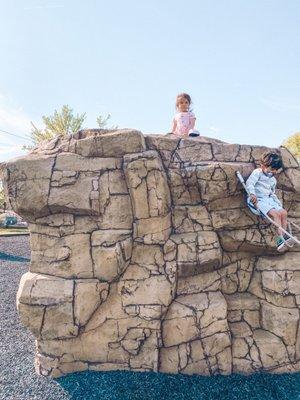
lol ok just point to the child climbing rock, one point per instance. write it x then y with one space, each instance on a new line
261 185
184 120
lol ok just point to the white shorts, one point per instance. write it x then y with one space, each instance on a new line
265 204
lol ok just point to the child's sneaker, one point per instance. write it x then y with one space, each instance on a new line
288 240
193 133
280 243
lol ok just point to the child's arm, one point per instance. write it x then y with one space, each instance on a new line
174 125
250 184
192 120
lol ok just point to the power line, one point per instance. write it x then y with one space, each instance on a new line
6 144
13 134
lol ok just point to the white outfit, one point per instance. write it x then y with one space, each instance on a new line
263 187
184 122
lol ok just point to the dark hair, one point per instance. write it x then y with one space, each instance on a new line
185 96
271 159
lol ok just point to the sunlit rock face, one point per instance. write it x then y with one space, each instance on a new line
144 257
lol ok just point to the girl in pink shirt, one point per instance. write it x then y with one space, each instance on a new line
184 120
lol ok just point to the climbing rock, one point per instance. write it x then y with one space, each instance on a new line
144 256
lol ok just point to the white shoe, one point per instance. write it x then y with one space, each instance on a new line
281 246
193 133
289 242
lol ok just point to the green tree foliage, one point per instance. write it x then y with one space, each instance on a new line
102 122
293 144
61 123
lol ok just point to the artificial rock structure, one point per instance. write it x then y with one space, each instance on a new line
144 257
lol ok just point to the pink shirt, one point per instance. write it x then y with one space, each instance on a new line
184 122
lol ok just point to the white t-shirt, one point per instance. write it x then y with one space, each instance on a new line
184 122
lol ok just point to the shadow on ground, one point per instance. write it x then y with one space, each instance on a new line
149 386
12 257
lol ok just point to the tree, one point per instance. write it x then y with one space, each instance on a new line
61 123
102 122
293 144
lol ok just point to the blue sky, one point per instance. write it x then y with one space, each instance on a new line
238 59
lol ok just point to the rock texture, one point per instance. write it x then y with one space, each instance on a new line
144 257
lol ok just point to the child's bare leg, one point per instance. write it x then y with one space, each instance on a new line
283 215
276 217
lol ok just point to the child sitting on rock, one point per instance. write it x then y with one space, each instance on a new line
261 185
184 120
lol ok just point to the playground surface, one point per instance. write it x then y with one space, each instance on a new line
18 380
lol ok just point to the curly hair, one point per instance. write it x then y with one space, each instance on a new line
271 159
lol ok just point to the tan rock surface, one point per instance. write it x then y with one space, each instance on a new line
144 257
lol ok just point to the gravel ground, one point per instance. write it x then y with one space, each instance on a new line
18 380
